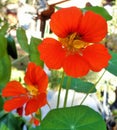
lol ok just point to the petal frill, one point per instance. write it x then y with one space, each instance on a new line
65 21
13 88
36 76
35 103
15 103
97 56
52 53
75 66
93 27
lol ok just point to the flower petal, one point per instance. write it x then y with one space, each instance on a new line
35 103
93 27
29 75
75 66
15 103
65 21
36 76
52 53
13 88
97 55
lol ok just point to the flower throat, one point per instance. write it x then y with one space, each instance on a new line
73 43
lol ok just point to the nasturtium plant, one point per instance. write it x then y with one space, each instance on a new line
73 118
75 52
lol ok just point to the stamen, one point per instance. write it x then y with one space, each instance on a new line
32 90
73 43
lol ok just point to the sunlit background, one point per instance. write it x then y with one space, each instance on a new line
34 16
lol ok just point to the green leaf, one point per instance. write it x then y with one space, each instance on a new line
15 122
12 122
3 127
3 46
79 85
99 10
112 67
2 115
1 103
73 118
11 47
22 39
34 53
4 29
5 70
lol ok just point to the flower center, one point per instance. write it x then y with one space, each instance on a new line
32 90
73 43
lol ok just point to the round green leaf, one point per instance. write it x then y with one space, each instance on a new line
73 118
112 67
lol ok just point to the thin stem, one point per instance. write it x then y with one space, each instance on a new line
67 89
19 59
73 98
49 105
93 87
100 77
58 99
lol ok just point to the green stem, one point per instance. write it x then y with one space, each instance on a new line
73 98
58 99
49 105
67 89
93 87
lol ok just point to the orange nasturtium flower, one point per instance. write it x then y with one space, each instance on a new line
32 96
77 49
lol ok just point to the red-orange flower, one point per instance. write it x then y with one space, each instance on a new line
77 49
33 95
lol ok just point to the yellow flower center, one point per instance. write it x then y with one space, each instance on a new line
73 44
32 90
